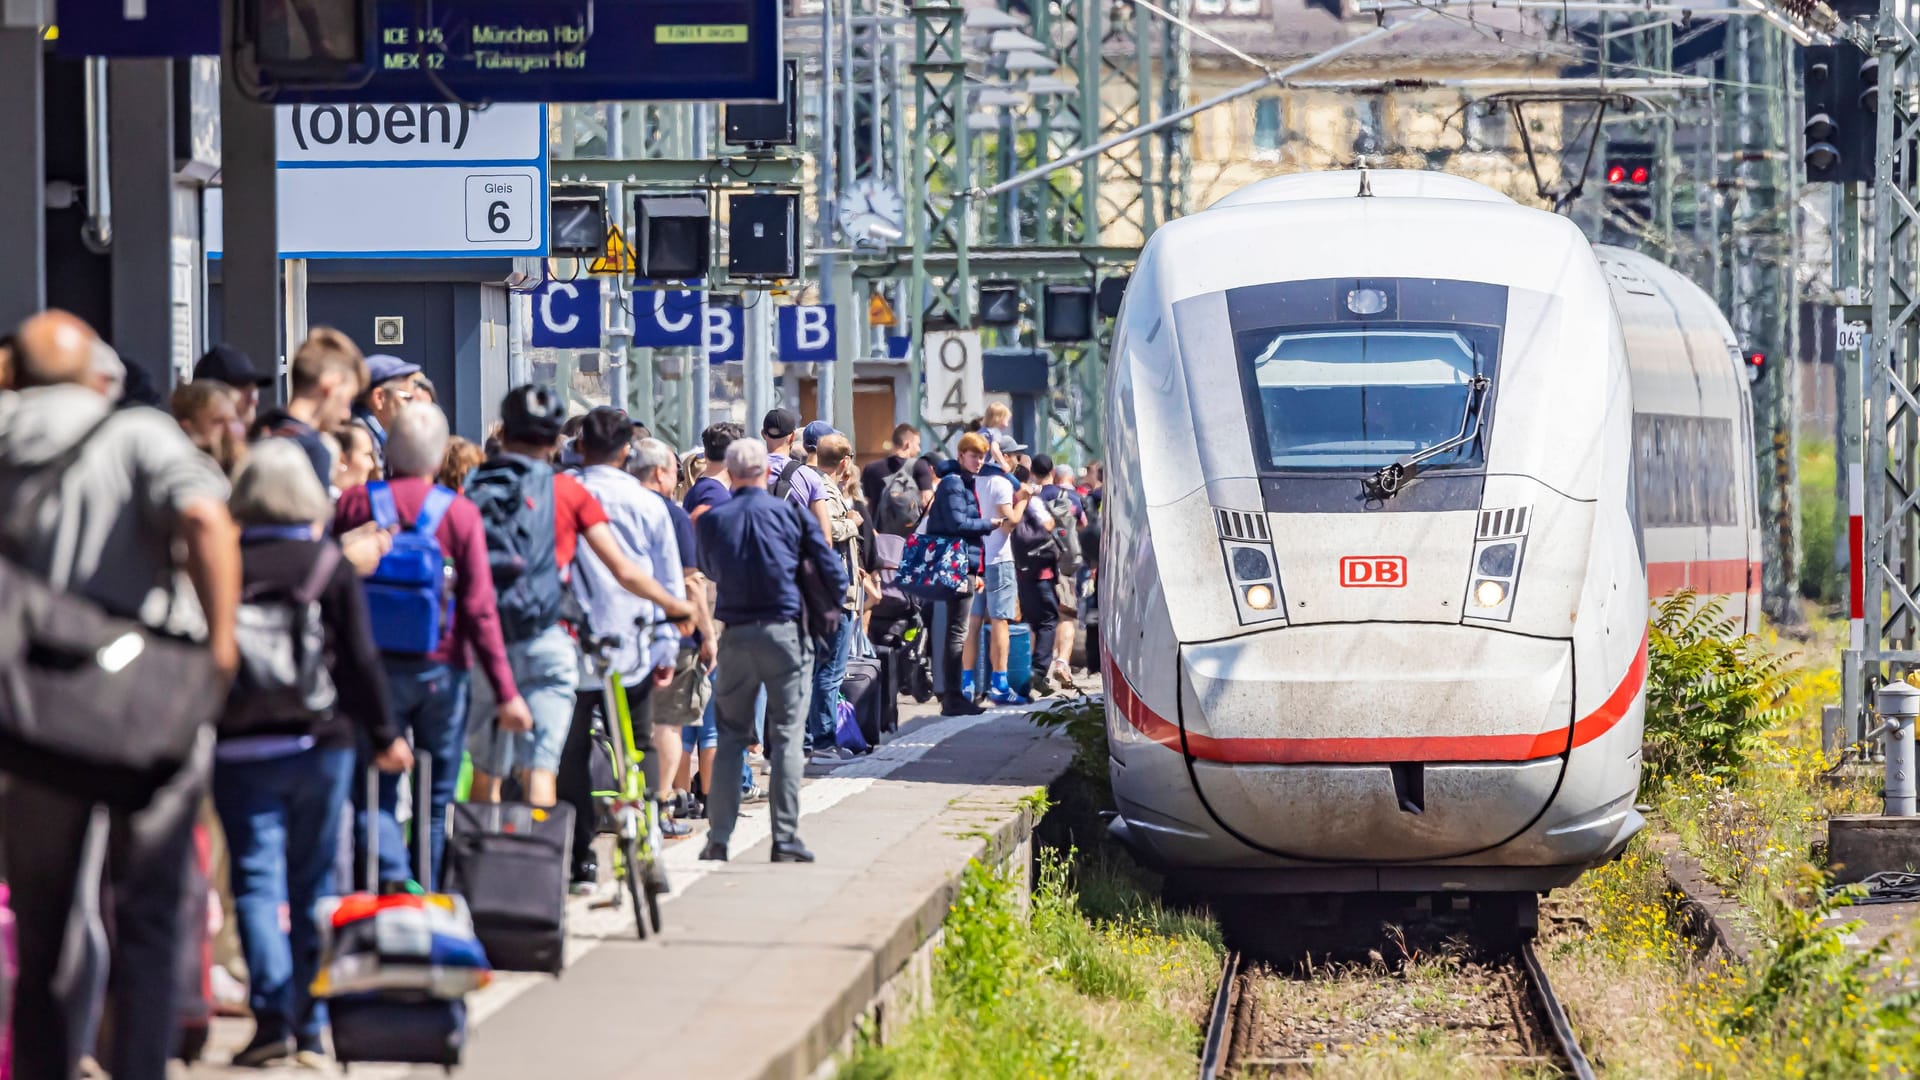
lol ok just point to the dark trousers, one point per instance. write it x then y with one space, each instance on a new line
429 704
45 833
1041 612
949 638
574 783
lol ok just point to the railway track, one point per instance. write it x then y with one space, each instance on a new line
1507 1010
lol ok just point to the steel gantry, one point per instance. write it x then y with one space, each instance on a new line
1886 584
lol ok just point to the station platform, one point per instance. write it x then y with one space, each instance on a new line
764 970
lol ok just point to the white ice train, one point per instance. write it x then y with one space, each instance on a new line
1395 463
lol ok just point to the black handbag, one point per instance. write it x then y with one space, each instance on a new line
91 703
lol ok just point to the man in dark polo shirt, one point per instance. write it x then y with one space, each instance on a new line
751 547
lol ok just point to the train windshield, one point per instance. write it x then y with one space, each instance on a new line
1363 396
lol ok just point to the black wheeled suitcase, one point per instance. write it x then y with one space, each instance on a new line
509 861
893 662
863 687
394 1025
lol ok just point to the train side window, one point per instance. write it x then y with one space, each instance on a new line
1686 474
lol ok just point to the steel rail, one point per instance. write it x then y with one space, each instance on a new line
1557 1023
1213 1051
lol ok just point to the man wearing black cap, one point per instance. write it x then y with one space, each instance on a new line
389 386
788 474
226 364
535 520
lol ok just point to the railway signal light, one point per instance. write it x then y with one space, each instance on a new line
1630 179
1756 366
1842 87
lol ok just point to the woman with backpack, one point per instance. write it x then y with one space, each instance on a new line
284 763
955 514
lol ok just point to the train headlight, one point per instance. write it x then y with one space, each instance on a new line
1253 577
1500 544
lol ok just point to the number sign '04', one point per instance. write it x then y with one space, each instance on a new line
952 361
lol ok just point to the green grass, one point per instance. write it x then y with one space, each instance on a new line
1817 504
1096 980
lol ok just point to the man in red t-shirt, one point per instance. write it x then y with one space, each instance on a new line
430 692
545 661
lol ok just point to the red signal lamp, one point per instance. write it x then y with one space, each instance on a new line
1639 174
1616 174
1756 364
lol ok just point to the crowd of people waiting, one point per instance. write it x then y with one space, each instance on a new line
215 521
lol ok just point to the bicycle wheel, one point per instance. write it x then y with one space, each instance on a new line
630 859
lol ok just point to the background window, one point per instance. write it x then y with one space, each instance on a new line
1266 127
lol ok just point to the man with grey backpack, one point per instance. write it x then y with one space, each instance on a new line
97 502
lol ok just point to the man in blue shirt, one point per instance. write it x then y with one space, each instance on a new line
751 547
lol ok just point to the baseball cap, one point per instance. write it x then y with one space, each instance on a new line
226 364
814 432
1010 445
780 423
606 430
383 368
531 413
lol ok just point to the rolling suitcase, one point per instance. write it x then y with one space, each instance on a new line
863 688
892 666
194 995
399 1012
509 860
1019 658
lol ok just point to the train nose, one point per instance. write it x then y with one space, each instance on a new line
1399 741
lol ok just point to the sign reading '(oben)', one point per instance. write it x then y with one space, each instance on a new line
409 181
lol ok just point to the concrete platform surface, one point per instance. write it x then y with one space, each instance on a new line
762 969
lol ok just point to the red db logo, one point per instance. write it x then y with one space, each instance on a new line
1373 572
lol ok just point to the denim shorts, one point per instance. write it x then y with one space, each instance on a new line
546 668
997 599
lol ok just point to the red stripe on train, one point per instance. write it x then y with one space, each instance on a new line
1347 751
1710 576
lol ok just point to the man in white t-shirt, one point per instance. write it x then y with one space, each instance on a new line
993 603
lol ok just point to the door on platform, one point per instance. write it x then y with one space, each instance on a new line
873 412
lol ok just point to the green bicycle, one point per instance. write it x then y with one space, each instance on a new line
625 808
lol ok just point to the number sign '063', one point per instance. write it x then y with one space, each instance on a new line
955 390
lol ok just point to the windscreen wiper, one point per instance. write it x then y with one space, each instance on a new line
1387 482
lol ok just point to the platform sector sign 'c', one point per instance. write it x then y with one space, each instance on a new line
570 50
407 181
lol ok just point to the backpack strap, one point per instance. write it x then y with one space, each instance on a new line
319 574
432 508
380 501
783 484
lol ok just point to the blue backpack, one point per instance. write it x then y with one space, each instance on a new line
515 497
407 592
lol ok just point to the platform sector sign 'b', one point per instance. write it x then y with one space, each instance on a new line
806 333
956 390
566 315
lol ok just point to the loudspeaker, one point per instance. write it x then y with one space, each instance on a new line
671 237
1112 291
1069 313
763 236
999 303
773 124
